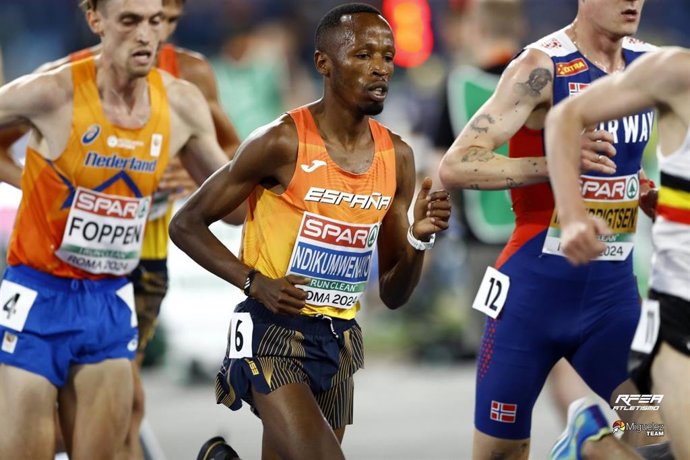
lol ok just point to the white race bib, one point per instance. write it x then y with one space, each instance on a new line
337 256
647 330
159 205
16 302
240 337
613 199
104 233
492 293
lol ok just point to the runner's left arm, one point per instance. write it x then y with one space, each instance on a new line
400 264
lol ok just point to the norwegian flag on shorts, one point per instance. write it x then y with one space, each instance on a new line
503 412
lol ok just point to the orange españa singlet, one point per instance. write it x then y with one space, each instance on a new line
156 234
82 215
325 225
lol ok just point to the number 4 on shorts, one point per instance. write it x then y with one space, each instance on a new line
241 330
492 293
15 304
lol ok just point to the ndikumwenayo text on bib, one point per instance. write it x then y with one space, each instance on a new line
337 256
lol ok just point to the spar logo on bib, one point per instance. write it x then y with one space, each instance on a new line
337 256
615 188
104 233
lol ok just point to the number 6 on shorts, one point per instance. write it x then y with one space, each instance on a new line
492 293
241 329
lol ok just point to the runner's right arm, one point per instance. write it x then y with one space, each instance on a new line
10 171
523 96
266 158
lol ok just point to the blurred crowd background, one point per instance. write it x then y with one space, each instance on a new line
262 53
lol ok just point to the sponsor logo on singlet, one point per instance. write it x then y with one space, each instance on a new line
323 195
574 67
551 43
115 142
96 160
91 134
337 256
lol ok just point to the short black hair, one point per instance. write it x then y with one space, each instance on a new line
331 20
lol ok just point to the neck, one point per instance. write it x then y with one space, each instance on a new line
117 87
339 124
602 48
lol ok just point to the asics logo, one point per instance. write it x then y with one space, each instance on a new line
313 166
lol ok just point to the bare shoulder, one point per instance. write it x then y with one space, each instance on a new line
185 99
670 65
277 139
533 64
45 91
532 58
403 151
52 65
194 67
404 164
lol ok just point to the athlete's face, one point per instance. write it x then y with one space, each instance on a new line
617 17
363 64
130 32
172 11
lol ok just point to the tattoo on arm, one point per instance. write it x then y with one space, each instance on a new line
478 123
477 154
538 79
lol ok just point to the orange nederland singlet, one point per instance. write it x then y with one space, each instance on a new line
83 214
325 225
156 234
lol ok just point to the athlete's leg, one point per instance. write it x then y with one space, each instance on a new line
96 407
489 447
608 448
150 287
518 351
294 426
27 421
670 374
605 366
565 386
132 442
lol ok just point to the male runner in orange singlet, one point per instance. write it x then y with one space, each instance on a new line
102 131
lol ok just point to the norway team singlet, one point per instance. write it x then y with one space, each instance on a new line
95 229
325 225
612 197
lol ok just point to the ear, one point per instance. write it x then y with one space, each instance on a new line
95 20
323 63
